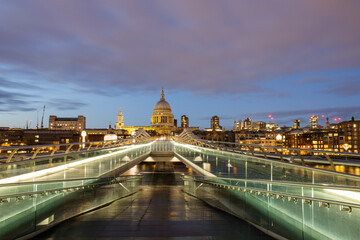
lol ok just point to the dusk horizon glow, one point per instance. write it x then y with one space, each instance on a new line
233 59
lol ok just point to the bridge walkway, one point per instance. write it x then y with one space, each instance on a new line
161 210
284 199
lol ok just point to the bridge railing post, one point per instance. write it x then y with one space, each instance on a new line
246 170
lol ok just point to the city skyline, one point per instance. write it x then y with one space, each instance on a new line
234 60
262 117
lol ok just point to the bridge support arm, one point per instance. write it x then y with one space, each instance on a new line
55 149
263 151
68 149
301 157
90 145
36 152
330 161
11 155
251 150
280 154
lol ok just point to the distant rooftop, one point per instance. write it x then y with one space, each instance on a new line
66 119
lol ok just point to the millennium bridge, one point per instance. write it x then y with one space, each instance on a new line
176 187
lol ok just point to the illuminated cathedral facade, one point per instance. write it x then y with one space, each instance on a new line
162 119
162 116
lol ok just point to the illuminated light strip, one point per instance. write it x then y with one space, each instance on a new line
192 148
63 167
343 193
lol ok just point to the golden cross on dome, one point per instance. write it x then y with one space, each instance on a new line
162 95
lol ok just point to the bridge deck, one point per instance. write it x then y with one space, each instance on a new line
160 211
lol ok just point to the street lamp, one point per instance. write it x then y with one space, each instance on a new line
346 146
83 134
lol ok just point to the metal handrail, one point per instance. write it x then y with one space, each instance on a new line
56 147
208 143
42 157
52 145
290 196
74 143
286 148
336 187
49 191
63 180
270 161
67 188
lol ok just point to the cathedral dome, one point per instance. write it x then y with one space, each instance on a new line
162 118
162 105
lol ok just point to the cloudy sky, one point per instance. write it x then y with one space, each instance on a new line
234 59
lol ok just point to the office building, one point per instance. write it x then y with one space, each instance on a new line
296 124
313 122
66 123
184 121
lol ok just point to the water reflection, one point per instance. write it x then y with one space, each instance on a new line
341 168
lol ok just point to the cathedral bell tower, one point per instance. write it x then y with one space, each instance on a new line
120 120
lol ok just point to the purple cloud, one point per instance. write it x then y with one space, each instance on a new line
66 104
348 87
210 47
13 101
